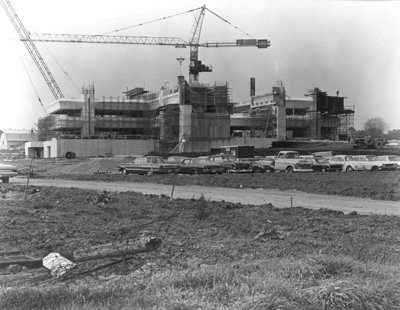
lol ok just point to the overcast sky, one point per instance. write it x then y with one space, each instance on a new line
350 46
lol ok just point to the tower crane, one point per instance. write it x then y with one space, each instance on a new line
195 67
32 49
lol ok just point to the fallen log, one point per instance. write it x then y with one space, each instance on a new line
129 247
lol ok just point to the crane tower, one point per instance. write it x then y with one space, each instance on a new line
196 66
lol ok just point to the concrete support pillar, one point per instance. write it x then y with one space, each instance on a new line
87 113
279 96
185 122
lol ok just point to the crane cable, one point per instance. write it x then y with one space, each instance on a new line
226 21
149 22
30 79
174 15
61 67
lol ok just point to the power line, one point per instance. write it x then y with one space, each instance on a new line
61 67
30 79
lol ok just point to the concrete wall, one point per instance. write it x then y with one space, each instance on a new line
96 147
210 126
258 143
88 147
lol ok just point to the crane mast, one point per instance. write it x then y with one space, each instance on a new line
32 49
196 66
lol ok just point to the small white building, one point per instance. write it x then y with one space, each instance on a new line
15 139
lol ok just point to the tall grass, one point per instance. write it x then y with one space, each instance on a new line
315 282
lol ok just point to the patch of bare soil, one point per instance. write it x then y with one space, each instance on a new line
192 231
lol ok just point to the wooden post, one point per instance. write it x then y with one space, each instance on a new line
27 180
129 247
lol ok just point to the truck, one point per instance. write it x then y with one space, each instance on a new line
369 142
290 161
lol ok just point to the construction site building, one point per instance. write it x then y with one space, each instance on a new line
139 122
276 115
186 118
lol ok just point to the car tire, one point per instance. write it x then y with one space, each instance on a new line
349 169
5 179
289 169
323 169
258 170
375 168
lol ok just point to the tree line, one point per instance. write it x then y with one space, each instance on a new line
375 127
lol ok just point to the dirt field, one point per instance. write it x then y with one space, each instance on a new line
214 255
313 257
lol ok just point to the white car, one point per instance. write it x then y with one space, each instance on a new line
383 163
7 171
350 163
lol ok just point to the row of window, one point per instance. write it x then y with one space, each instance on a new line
296 111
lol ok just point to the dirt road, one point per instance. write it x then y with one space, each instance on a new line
280 199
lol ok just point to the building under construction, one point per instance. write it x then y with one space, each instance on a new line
189 117
276 115
139 122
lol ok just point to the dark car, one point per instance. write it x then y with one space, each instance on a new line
264 164
199 166
242 167
322 164
148 165
227 161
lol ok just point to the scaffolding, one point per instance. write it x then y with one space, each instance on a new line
263 122
168 124
333 125
208 99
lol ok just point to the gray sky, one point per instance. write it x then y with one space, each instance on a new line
350 46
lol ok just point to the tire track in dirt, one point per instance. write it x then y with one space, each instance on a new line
280 199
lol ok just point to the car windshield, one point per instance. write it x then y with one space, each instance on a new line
321 160
223 158
394 158
292 155
155 160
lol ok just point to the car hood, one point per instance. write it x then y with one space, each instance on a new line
7 167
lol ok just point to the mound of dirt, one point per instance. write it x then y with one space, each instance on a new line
89 166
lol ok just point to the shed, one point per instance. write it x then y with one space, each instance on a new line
13 139
240 151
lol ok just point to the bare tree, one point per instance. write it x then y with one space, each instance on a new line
376 127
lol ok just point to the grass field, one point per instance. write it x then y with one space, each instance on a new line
214 255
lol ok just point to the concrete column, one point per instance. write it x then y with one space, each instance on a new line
185 122
87 114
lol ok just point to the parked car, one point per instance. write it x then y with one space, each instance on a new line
389 158
290 161
325 154
7 171
350 163
383 163
148 165
245 167
200 165
175 159
227 161
263 164
322 164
